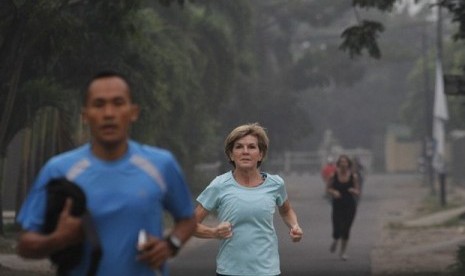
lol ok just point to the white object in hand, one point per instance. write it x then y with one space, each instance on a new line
142 239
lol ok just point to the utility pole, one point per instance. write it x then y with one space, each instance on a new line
439 33
440 114
427 142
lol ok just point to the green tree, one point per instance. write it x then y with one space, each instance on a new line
180 76
283 72
35 38
364 35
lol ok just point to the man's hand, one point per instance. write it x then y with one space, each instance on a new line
154 252
69 228
68 231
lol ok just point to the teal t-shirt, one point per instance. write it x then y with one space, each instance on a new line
253 248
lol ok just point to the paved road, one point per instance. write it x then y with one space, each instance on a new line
311 256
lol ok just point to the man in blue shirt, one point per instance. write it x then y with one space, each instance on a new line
128 187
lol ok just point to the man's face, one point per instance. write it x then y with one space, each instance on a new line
109 111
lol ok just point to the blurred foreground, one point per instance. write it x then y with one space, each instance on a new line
400 229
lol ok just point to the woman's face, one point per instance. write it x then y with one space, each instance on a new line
343 163
246 153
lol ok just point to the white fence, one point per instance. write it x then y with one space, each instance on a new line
302 161
312 161
298 161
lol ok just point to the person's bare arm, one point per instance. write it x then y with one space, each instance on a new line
184 229
37 245
356 189
329 188
221 231
290 219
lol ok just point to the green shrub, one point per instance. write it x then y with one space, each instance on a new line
459 267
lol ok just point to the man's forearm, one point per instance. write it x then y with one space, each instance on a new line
184 229
35 245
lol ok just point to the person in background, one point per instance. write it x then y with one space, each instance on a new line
359 169
327 172
344 189
244 200
128 186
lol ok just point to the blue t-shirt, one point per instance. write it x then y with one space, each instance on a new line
123 197
253 248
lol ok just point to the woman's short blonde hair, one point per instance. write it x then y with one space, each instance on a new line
241 131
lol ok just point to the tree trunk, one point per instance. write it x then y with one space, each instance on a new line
10 101
24 180
2 171
8 110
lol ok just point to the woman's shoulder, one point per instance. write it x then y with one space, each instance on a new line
274 178
222 178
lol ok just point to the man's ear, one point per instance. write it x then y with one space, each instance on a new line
135 112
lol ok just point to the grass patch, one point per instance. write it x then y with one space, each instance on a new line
395 225
431 204
454 222
8 241
459 267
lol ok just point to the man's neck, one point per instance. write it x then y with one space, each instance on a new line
109 152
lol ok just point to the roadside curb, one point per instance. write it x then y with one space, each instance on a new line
437 218
14 262
441 245
414 243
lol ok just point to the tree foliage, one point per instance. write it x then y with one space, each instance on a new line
40 55
365 34
413 111
198 68
384 5
457 9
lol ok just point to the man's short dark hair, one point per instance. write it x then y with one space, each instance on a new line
102 75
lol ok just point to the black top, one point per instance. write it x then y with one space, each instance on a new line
343 189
